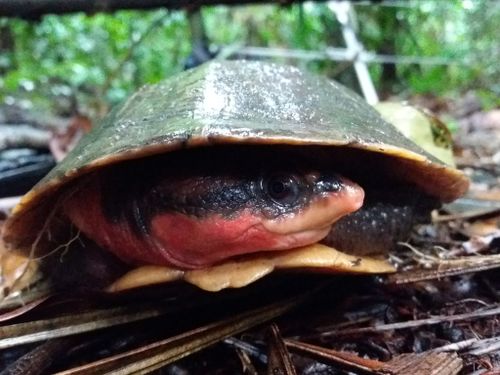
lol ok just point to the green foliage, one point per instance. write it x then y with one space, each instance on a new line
102 58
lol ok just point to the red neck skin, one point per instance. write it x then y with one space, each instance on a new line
189 242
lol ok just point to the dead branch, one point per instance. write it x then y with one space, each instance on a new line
23 136
279 361
485 346
415 323
429 363
455 346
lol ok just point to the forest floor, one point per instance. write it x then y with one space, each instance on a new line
438 315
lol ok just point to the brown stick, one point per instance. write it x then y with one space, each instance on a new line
416 323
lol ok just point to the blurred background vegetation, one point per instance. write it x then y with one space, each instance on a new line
94 61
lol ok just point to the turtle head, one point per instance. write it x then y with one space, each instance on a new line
193 215
276 211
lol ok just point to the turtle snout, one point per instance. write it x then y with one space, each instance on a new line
327 183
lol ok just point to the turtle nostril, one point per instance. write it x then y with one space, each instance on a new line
328 183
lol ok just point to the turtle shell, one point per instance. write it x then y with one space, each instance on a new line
231 102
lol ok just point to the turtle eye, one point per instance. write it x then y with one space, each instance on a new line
282 189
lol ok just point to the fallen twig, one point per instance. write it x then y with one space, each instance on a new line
12 136
279 361
415 364
414 323
456 346
158 354
481 347
444 268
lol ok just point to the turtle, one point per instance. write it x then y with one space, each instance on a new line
222 173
